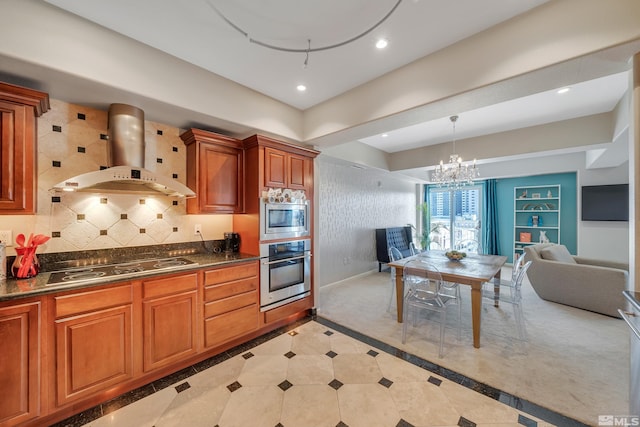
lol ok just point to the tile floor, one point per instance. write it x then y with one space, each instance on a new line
575 362
313 373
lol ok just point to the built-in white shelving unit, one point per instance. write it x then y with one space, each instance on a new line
535 209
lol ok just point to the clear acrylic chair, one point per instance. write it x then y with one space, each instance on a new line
427 291
413 249
513 297
394 255
506 283
469 245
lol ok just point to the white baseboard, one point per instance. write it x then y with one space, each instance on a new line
366 273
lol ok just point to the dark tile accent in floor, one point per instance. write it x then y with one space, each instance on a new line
182 387
285 385
435 381
492 392
403 423
331 354
82 418
248 355
335 384
372 353
463 422
328 333
174 378
127 398
526 421
289 354
234 386
385 382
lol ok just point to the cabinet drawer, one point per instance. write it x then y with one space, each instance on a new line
225 290
221 275
67 305
287 310
225 305
220 329
170 285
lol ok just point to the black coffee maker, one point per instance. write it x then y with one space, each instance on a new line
231 242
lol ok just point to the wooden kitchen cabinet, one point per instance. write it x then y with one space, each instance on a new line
93 341
215 172
231 303
270 163
286 170
169 320
19 108
20 368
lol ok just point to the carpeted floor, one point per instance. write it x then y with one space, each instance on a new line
575 362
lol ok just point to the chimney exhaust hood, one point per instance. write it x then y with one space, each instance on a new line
125 157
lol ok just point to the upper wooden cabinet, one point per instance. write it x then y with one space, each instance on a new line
284 165
215 167
286 170
19 108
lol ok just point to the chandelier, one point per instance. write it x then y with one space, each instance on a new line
455 174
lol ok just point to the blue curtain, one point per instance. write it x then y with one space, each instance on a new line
491 242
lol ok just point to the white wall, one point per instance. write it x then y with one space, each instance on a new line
351 203
608 239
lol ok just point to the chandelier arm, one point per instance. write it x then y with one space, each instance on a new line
308 50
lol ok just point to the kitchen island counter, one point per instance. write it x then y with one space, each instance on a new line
34 286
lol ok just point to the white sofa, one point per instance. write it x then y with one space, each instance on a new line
589 284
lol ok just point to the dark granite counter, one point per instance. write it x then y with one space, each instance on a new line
35 286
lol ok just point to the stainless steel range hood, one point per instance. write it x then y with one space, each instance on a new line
125 157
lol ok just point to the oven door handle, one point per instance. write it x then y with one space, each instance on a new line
626 317
285 259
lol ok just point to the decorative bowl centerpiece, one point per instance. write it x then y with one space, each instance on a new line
455 255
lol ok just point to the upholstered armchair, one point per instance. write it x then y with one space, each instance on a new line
589 284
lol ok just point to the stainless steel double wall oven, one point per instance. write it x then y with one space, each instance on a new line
285 251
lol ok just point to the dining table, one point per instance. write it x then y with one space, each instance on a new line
473 270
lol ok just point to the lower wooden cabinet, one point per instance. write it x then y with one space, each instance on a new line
231 303
93 341
169 320
67 351
20 368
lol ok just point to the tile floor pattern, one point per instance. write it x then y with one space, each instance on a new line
313 375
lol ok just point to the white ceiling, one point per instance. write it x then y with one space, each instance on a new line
195 32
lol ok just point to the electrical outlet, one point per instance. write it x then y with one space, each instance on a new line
197 229
6 237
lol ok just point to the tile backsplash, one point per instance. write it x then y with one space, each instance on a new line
72 140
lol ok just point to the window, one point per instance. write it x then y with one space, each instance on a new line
454 215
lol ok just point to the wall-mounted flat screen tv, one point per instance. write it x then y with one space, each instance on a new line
605 202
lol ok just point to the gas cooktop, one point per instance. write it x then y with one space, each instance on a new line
124 270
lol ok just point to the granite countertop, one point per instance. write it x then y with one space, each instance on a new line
35 286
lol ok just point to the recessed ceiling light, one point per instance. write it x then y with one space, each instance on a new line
564 90
301 88
382 43
384 135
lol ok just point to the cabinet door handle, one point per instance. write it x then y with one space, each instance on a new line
285 259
